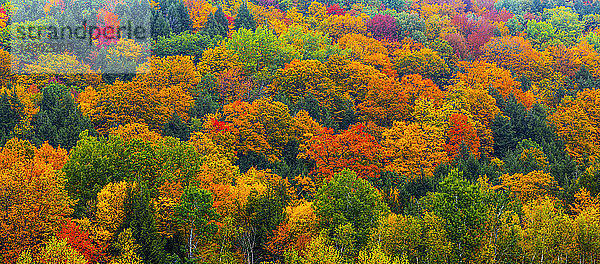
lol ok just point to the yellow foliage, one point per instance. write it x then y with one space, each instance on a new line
530 186
110 211
338 26
414 150
33 201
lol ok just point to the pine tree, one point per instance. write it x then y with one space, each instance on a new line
159 26
244 19
140 219
59 120
11 112
179 18
176 128
216 24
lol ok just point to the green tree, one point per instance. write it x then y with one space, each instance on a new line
195 210
184 44
244 19
59 120
349 199
176 128
159 26
178 16
461 206
139 217
216 24
11 112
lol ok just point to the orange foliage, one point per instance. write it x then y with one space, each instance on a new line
352 148
461 134
33 201
528 187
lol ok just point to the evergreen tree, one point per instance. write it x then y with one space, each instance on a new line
176 128
59 120
139 217
179 18
216 24
11 112
244 19
206 101
159 26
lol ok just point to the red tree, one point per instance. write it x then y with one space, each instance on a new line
461 134
80 241
354 149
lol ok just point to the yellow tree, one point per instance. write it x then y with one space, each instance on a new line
530 186
110 211
33 201
414 150
576 121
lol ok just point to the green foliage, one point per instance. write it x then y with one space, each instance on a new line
59 120
178 16
260 52
541 34
11 113
566 22
176 128
139 218
159 26
216 24
184 44
195 210
95 162
461 206
312 45
347 199
244 19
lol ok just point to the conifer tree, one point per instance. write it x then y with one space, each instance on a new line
59 120
140 219
176 128
11 111
244 19
179 18
159 26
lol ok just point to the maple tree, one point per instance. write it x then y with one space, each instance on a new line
461 137
34 201
414 150
353 148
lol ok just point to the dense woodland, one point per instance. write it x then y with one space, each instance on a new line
289 131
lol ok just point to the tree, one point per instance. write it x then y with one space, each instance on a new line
140 219
575 121
11 113
59 120
176 128
548 234
414 150
528 187
159 26
461 137
59 251
178 16
244 19
195 210
80 241
33 200
216 24
383 27
347 199
461 206
425 62
127 249
352 149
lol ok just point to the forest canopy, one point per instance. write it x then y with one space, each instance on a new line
297 132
